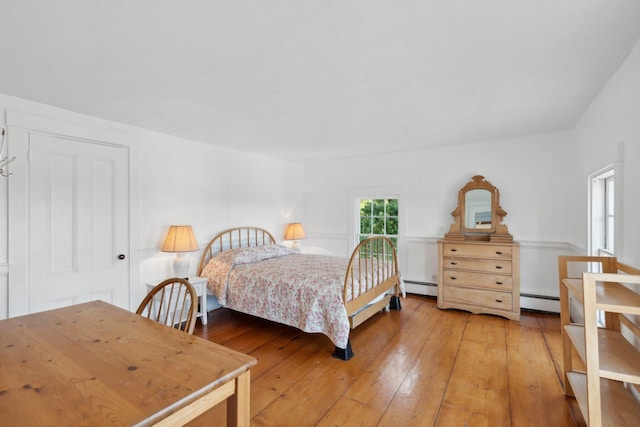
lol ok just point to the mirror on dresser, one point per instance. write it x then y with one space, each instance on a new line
478 261
479 215
477 208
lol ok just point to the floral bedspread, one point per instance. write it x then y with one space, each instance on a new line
300 290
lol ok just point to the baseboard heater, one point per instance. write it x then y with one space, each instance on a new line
547 297
522 295
432 293
435 285
414 282
539 297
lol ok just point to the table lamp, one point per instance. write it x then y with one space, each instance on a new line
180 239
295 232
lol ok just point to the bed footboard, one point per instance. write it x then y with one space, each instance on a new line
371 274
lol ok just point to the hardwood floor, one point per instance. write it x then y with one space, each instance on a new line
417 367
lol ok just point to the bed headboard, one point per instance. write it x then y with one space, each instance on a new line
238 237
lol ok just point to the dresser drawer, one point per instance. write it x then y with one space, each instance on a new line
480 251
479 298
477 280
482 265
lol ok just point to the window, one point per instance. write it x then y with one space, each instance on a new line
602 223
608 214
378 217
603 213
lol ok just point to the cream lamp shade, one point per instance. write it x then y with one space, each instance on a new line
295 232
180 239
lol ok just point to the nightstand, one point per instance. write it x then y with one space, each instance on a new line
200 285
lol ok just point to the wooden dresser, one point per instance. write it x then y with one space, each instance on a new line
478 261
480 277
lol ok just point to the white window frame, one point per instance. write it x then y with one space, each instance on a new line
598 209
358 217
599 213
617 169
387 192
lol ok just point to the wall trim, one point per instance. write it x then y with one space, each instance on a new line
430 240
327 236
434 240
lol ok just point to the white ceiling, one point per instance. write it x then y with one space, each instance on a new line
303 79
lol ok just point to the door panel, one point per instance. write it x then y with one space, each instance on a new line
78 222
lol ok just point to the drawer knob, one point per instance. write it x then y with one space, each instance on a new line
454 250
454 263
499 283
499 267
498 299
453 278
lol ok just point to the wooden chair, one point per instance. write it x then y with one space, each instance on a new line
174 302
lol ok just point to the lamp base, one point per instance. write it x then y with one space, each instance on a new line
181 265
295 246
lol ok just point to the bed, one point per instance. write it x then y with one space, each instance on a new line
249 272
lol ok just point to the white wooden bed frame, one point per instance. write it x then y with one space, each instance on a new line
373 263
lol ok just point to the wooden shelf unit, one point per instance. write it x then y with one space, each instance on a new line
605 388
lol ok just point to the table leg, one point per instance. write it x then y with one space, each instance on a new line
238 408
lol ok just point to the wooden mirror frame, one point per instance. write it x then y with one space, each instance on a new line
498 231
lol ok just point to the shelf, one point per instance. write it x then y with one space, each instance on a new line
615 298
612 361
619 360
619 407
575 287
612 297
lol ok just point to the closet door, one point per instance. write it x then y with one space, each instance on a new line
74 195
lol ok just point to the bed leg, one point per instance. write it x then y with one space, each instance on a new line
343 353
394 304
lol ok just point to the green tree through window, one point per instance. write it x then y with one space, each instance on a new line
378 217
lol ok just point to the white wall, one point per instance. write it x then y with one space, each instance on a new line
609 132
180 181
528 171
542 180
212 189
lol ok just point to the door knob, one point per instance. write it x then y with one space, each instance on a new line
121 256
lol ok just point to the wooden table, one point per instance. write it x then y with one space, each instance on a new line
96 364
